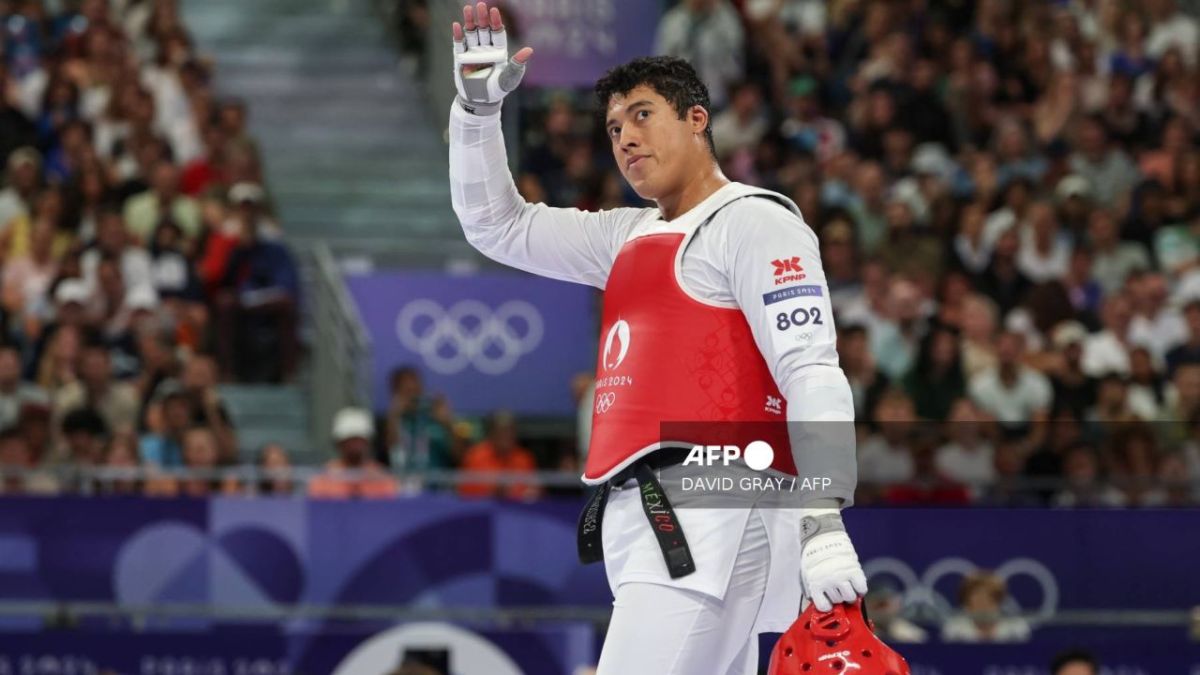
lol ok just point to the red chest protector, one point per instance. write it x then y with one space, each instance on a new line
666 357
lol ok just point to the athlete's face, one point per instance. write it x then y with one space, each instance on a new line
653 148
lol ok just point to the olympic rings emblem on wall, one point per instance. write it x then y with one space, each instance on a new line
470 333
922 593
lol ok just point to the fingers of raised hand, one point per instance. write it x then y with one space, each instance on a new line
460 44
470 28
483 29
496 23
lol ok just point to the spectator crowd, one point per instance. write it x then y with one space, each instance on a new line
1007 196
1006 192
140 265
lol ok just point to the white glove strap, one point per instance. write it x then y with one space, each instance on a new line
820 521
829 545
481 91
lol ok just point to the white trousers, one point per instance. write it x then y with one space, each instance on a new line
661 630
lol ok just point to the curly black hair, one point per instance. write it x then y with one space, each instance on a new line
673 78
1071 656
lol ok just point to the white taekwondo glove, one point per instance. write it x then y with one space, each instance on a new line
829 566
483 51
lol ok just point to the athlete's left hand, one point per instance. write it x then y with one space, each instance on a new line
483 73
829 566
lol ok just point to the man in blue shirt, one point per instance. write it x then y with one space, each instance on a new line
258 302
164 446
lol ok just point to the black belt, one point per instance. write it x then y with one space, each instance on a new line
666 526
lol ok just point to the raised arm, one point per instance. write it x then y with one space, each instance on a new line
567 244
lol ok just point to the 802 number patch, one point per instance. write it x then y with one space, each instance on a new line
798 317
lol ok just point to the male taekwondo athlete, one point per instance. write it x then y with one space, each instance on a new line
704 297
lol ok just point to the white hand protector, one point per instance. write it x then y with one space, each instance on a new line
483 72
829 566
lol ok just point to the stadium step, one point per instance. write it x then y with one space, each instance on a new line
350 152
269 414
363 222
349 146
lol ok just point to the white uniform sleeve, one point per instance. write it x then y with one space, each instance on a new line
567 244
775 273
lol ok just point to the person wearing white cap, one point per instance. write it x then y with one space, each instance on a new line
1073 200
1074 390
71 298
249 201
23 176
932 159
1171 27
354 472
1073 186
72 290
245 192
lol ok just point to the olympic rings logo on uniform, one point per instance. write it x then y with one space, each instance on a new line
470 333
922 593
605 401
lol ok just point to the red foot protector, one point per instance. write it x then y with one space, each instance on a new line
838 641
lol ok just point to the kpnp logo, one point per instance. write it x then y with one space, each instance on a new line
774 405
616 345
758 455
786 265
788 270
